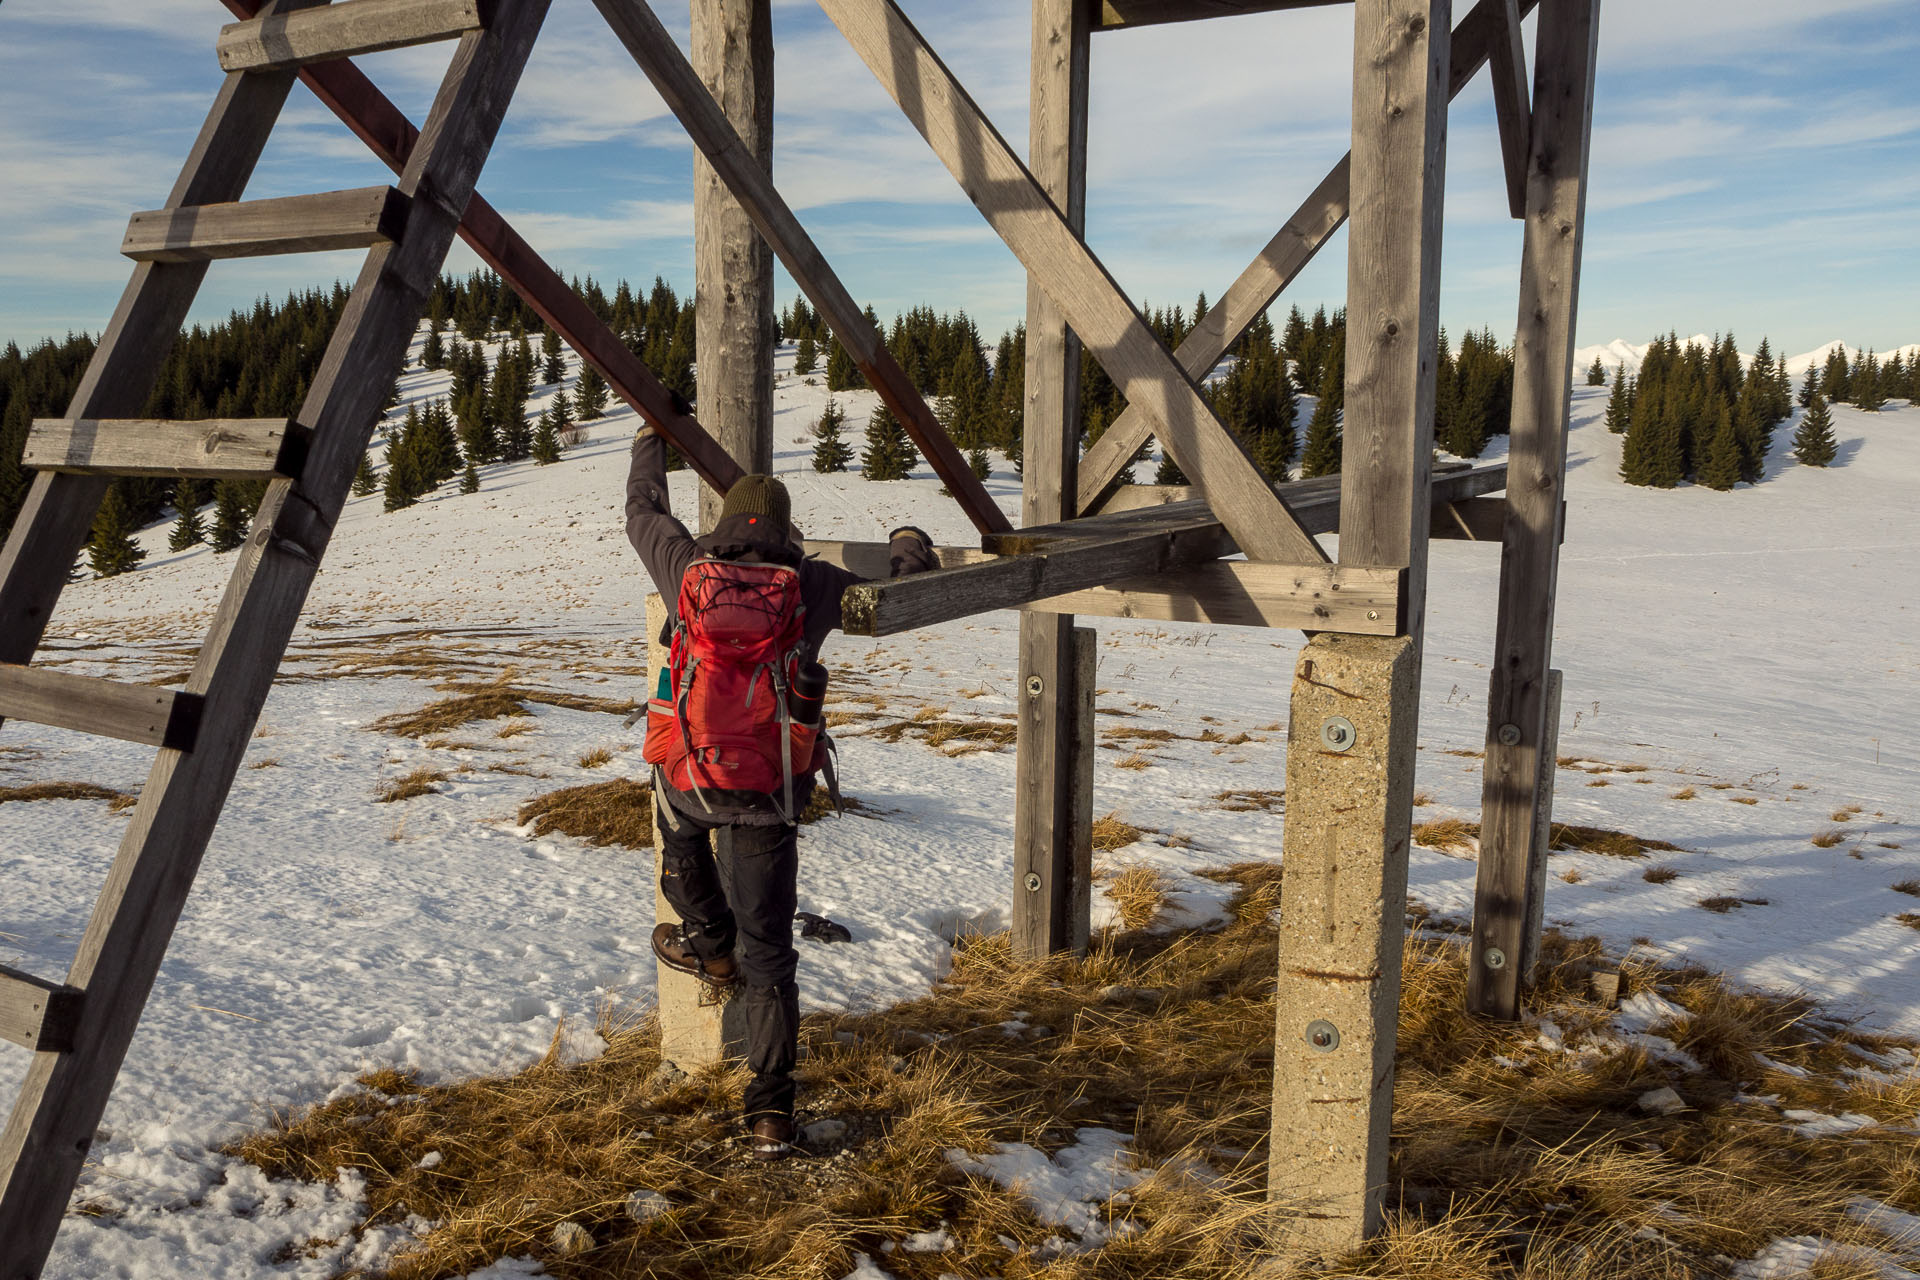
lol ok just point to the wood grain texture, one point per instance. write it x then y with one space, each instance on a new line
1055 712
344 30
1564 51
205 448
1511 113
1024 216
732 50
88 704
259 228
1540 843
36 1014
636 27
1118 14
1284 257
53 1125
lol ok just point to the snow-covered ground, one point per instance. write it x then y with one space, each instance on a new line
1758 648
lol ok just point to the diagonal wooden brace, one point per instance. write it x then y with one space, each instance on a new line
635 25
1479 36
1058 260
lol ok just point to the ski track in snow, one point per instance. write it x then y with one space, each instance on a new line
1763 639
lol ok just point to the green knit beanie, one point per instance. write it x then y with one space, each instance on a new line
763 500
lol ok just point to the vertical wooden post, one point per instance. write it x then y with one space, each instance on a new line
695 1029
732 265
1542 841
1512 795
1052 816
1355 710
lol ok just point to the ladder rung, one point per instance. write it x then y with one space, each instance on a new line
250 228
342 30
131 712
205 449
35 1013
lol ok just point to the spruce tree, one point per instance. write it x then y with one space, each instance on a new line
187 529
806 356
1753 427
231 516
1725 456
831 452
979 463
552 365
1651 455
1813 442
470 478
1322 456
1618 411
516 438
437 450
890 454
1868 395
1597 373
112 549
434 354
402 487
589 394
546 437
364 481
842 374
1834 378
1169 472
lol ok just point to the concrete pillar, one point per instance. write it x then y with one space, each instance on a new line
696 1028
732 265
1350 761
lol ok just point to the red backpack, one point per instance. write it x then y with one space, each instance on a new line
721 716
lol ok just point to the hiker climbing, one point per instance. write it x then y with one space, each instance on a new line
736 739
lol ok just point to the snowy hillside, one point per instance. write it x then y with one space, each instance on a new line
1742 676
1620 352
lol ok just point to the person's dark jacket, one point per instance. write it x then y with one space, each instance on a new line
666 548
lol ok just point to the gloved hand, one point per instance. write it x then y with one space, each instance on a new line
910 550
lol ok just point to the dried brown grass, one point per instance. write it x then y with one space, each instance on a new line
1828 838
1662 874
1452 835
1249 800
1139 893
618 811
1684 793
1134 761
1510 1160
1744 799
418 783
491 701
1110 832
1909 887
595 758
116 800
950 735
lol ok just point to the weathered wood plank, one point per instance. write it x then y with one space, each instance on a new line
344 30
345 91
1510 109
1047 822
732 50
1540 845
1564 52
36 1014
87 704
636 27
354 219
1284 257
1341 948
53 1126
1469 520
1118 14
1023 215
207 448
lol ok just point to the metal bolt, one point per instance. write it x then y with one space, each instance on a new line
1032 882
1495 958
1035 686
1338 733
1509 735
1323 1036
1373 615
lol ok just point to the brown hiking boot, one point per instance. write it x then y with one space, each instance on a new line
670 944
771 1138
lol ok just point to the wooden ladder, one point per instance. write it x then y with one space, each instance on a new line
79 1029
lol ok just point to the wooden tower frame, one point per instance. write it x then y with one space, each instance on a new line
1088 545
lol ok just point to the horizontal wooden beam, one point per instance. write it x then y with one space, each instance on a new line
1115 15
1357 600
36 1014
85 704
356 219
202 449
343 30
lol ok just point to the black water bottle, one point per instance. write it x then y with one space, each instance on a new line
807 697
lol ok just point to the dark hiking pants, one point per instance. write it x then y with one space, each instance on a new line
734 887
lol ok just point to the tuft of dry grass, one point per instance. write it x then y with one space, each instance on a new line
1828 838
1614 844
1722 905
268 763
1135 733
950 735
618 811
1139 892
1134 761
491 701
1744 799
1110 833
418 783
1909 887
1841 815
1684 793
1422 799
1599 782
1662 874
595 758
1911 919
1249 800
116 800
1452 835
1572 875
1887 844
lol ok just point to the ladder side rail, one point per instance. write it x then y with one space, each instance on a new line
47 1137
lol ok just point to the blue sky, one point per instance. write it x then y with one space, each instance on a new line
1755 162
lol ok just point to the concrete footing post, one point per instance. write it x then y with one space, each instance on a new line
696 1029
1350 761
